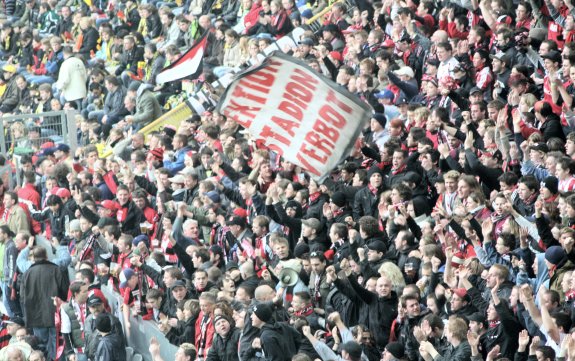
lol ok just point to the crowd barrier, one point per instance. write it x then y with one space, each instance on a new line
140 331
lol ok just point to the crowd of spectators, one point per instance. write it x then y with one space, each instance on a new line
447 234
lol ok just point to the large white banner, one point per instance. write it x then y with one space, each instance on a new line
296 112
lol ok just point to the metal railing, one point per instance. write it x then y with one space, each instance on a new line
24 133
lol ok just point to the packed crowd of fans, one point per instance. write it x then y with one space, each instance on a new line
447 234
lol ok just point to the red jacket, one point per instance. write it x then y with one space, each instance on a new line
209 335
29 193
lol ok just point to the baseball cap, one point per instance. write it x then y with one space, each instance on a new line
108 204
125 276
306 41
405 70
385 94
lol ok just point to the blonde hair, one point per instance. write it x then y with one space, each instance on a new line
529 99
392 273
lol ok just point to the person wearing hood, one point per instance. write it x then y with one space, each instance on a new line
225 342
314 235
148 108
557 264
367 198
278 341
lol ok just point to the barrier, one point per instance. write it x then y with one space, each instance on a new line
140 331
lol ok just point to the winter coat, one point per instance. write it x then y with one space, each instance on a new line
148 108
89 42
72 79
279 341
365 203
505 334
130 221
42 281
225 348
381 312
11 96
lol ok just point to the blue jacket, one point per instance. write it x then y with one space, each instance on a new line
176 165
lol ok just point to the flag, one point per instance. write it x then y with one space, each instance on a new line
291 109
189 64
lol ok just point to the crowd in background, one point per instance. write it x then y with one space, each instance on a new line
446 234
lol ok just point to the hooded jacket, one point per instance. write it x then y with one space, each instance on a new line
279 341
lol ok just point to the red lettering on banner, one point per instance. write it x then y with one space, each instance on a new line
292 110
267 132
332 116
303 78
286 125
240 92
324 146
256 86
328 132
263 77
240 113
332 98
305 151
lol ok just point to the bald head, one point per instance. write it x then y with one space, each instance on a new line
439 36
205 21
247 269
264 293
14 354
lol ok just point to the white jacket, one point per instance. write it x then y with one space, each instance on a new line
72 79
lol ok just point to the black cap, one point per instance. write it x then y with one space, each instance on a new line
16 320
263 311
377 246
231 266
477 317
475 90
553 55
178 283
93 301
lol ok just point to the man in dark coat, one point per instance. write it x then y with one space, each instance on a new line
278 341
129 215
40 284
225 343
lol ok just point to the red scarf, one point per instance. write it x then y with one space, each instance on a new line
305 311
398 170
313 197
493 324
372 189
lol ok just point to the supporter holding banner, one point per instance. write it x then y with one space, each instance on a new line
291 109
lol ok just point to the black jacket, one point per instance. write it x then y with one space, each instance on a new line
134 216
225 349
89 42
365 203
42 281
315 208
279 341
184 332
130 59
505 334
382 312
